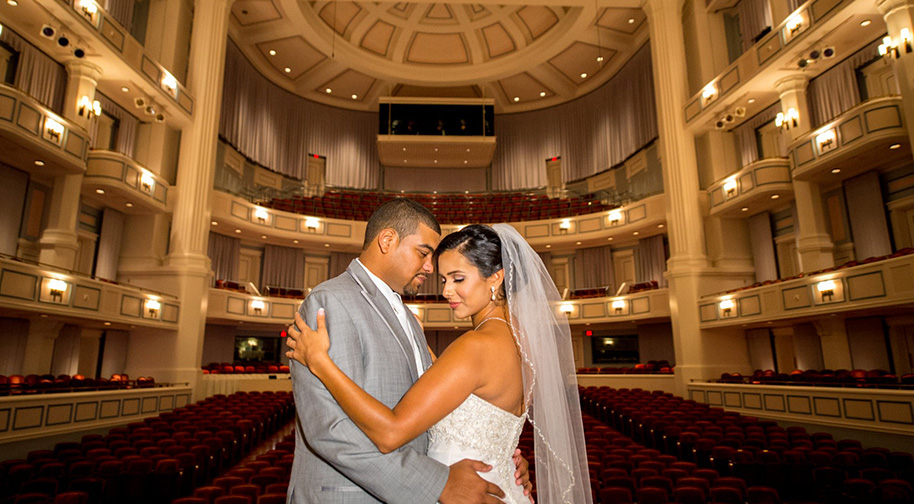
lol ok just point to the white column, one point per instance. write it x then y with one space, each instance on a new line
814 244
899 14
699 354
39 349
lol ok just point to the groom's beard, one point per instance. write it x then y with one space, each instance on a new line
411 289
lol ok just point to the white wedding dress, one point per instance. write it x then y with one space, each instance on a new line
479 430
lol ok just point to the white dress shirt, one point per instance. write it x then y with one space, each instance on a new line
403 314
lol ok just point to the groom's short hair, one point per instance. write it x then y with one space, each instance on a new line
403 215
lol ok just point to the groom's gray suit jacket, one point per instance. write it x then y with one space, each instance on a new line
334 461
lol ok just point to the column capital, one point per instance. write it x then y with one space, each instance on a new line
653 7
85 69
794 82
886 7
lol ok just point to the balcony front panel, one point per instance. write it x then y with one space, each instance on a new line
870 135
880 410
36 416
238 217
35 139
758 187
128 186
35 289
878 285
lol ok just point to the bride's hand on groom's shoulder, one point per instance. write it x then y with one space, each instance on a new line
308 346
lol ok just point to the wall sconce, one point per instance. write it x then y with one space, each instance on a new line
89 108
153 307
619 306
169 83
791 118
258 306
261 215
708 94
89 9
147 182
726 308
312 224
888 47
566 308
730 186
53 130
826 290
565 225
826 141
57 288
794 25
615 217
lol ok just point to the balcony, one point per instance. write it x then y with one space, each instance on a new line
877 285
229 306
870 135
758 187
39 289
641 306
128 186
37 140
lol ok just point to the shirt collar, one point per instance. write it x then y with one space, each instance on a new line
392 297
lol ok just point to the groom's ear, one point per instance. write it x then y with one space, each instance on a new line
387 240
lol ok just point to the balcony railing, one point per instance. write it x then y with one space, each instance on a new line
36 138
759 186
129 187
871 134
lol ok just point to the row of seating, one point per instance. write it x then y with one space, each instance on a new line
153 461
794 463
848 264
46 384
651 367
448 208
245 368
874 378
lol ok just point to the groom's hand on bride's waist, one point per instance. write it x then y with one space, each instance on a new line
465 486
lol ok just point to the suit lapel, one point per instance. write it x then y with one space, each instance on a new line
382 307
421 342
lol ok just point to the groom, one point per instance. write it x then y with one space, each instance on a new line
379 344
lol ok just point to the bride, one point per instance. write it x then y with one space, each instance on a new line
515 365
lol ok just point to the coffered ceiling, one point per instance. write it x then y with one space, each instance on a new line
349 54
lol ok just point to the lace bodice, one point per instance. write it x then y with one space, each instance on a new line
480 430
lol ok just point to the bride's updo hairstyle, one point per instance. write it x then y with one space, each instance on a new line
481 247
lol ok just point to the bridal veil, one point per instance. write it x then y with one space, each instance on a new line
550 383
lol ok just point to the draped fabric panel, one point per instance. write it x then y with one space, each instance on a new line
283 267
650 260
593 268
122 11
126 129
836 90
746 134
278 129
793 5
37 74
225 254
109 244
754 16
591 133
339 261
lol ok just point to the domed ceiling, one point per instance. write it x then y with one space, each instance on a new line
349 54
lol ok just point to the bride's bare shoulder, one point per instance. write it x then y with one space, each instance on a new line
483 342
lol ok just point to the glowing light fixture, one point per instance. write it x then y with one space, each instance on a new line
786 120
826 290
414 309
726 307
169 83
261 215
57 287
618 306
708 93
730 186
147 182
566 308
258 306
615 217
794 25
565 225
89 108
826 140
53 130
312 223
153 307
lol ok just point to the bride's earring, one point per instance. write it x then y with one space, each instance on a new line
492 288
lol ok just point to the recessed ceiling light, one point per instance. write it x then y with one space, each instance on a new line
865 22
214 223
609 239
100 191
464 161
636 233
895 146
751 100
355 97
584 75
468 149
836 170
660 226
577 243
294 241
107 323
328 90
13 2
128 204
436 160
238 231
39 162
517 98
263 237
272 52
631 20
404 160
125 89
775 196
327 245
548 246
599 59
542 94
436 149
287 70
744 209
404 149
